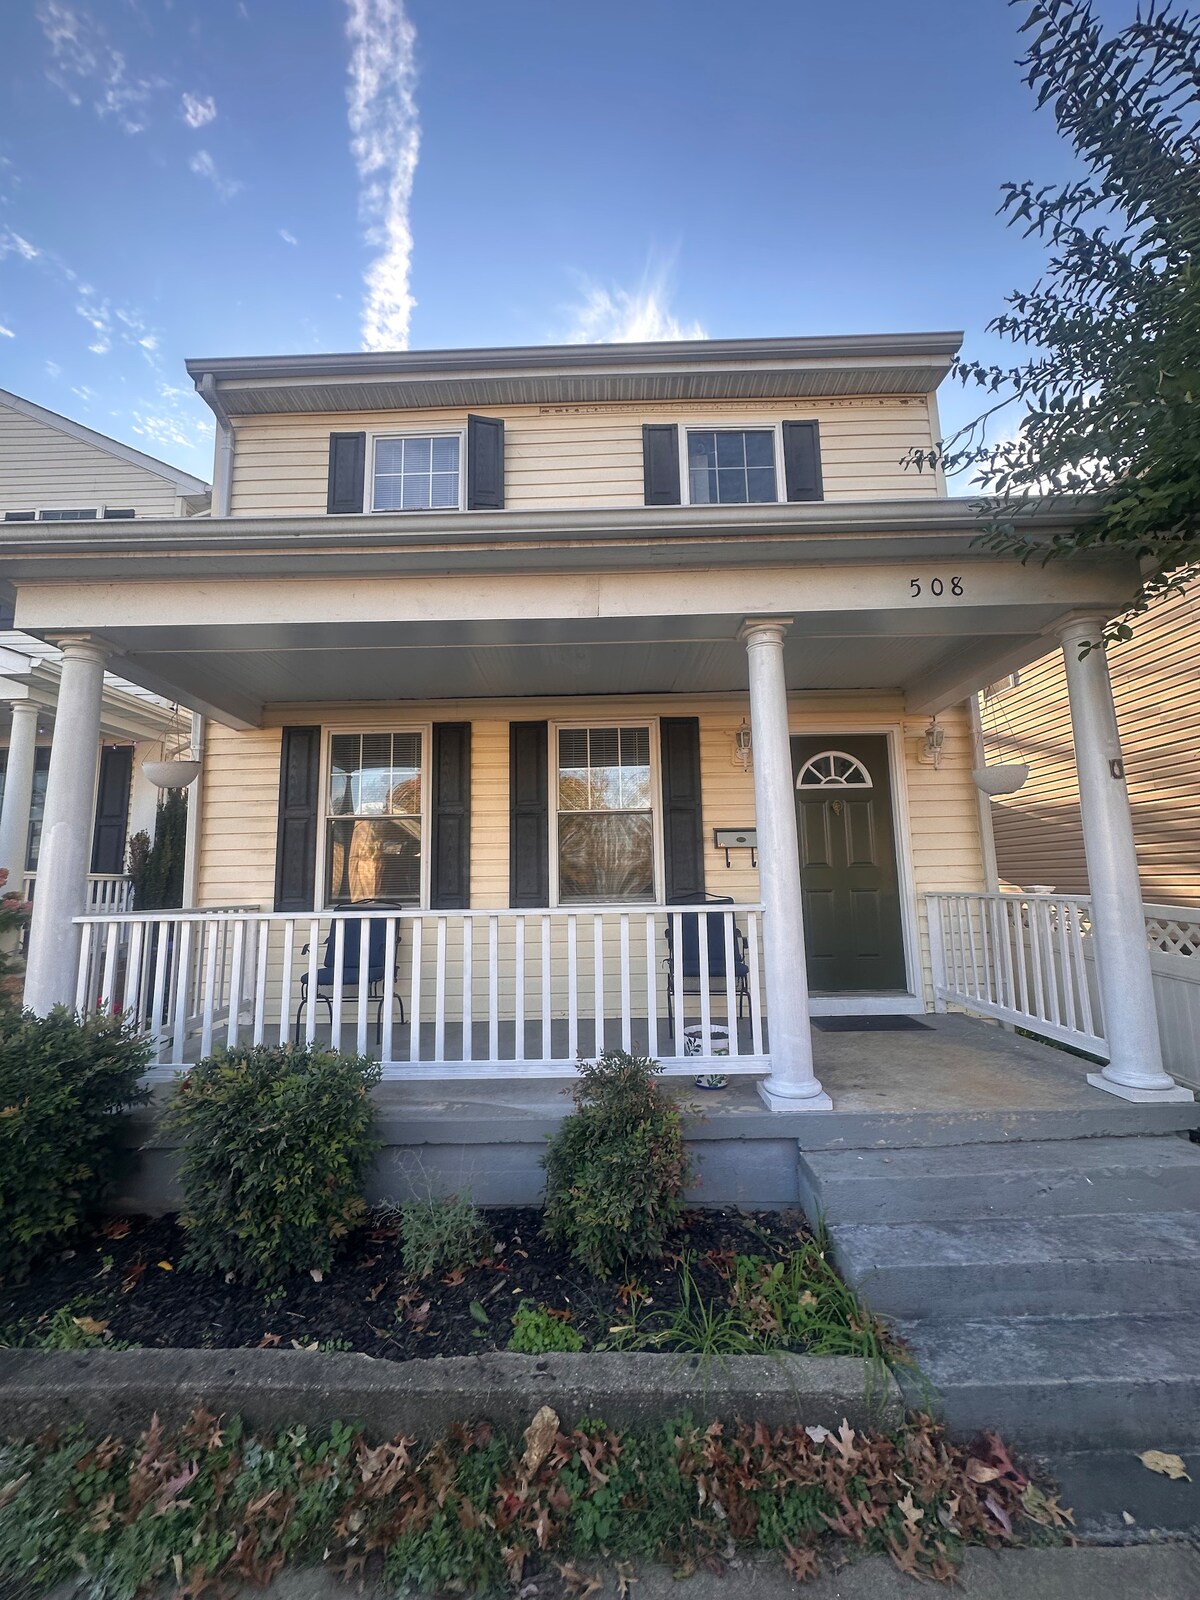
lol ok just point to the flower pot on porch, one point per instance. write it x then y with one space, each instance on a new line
171 774
693 1045
1005 778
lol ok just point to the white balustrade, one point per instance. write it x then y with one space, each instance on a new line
503 993
108 893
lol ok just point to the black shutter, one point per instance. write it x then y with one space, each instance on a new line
112 808
802 460
485 464
450 889
683 826
299 802
347 473
528 814
660 463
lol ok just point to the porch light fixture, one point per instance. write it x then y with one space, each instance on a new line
743 745
935 738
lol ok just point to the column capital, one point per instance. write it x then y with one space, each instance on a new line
81 647
764 630
27 708
1079 626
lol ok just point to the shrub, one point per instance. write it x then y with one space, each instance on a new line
617 1167
63 1084
440 1233
277 1144
537 1331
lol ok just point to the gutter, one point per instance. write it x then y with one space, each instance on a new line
222 484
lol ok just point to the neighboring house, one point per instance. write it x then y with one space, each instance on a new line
505 656
1038 830
54 471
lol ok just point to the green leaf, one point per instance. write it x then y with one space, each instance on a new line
477 1311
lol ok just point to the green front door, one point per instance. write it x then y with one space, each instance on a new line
848 864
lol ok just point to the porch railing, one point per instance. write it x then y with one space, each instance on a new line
107 892
496 993
1023 959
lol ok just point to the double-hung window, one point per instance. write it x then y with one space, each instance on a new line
374 818
417 472
605 814
731 466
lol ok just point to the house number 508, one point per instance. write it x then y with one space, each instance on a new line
937 587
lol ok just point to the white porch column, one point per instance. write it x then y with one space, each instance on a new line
65 853
1135 1069
18 793
792 1084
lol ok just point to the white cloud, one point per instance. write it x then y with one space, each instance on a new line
198 111
203 165
84 61
53 369
288 238
84 393
13 244
6 333
608 314
385 142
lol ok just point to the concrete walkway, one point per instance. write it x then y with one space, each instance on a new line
1147 1572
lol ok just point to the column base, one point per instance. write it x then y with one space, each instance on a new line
790 1102
1176 1095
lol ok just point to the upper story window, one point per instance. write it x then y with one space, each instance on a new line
731 466
417 472
374 818
72 514
605 814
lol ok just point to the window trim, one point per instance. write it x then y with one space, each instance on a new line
328 731
651 724
774 426
373 438
96 513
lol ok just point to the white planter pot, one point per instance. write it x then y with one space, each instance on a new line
1006 779
171 774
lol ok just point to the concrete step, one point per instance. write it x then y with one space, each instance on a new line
1067 1383
1105 1488
1027 1179
1081 1265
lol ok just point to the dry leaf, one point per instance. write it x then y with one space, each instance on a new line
268 1341
539 1437
817 1433
115 1228
1162 1461
625 1579
580 1585
166 1266
90 1326
801 1562
316 1274
1128 1519
979 1472
132 1277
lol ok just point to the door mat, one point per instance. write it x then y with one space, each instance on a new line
869 1024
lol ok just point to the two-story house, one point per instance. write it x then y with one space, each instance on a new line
509 657
54 470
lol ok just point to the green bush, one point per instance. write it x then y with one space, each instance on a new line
277 1144
440 1234
63 1085
537 1331
617 1167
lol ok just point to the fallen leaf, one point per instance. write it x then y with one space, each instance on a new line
133 1277
998 1511
90 1326
316 1274
800 1562
979 1472
817 1433
1163 1461
115 1228
625 1579
539 1438
453 1279
477 1311
166 1266
373 1294
580 1586
1128 1519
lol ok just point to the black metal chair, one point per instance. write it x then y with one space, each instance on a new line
352 972
689 953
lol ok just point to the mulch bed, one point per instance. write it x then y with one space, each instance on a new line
130 1278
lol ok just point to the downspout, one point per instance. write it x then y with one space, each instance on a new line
987 836
222 489
191 847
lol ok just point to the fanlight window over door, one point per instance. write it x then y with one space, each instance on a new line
833 769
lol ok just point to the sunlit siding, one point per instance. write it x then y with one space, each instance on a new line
581 456
1156 686
41 467
241 788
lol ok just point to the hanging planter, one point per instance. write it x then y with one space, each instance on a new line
175 774
172 771
1005 778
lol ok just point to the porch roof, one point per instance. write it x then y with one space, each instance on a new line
231 616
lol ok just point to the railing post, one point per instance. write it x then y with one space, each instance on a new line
937 949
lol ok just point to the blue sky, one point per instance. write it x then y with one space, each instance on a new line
238 177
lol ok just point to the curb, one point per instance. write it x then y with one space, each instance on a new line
119 1390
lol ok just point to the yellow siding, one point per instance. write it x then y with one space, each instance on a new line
41 467
581 456
1039 837
241 786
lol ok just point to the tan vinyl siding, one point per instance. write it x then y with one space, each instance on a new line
585 456
241 786
1039 836
42 468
